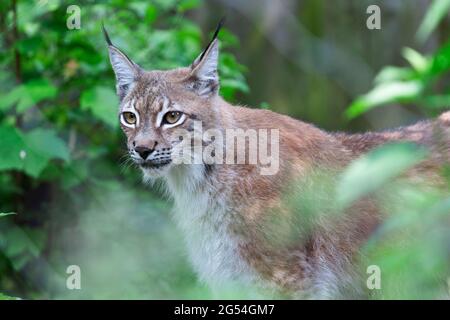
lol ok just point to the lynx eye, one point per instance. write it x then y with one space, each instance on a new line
172 117
129 117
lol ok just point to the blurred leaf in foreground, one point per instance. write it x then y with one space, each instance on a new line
102 102
30 152
5 297
27 95
371 171
385 93
4 214
419 62
437 11
411 247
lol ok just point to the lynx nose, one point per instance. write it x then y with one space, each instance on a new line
144 152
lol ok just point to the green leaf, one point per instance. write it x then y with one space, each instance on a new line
391 74
74 174
103 103
23 244
373 170
31 44
36 91
384 93
11 145
151 13
5 297
27 95
437 102
4 214
7 101
30 152
46 142
441 60
41 146
235 84
185 5
264 105
419 62
437 11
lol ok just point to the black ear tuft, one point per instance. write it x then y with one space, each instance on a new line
216 33
204 77
105 33
125 69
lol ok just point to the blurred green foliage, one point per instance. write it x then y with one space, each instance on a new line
422 83
373 170
412 246
425 82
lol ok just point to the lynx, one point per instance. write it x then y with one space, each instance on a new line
236 222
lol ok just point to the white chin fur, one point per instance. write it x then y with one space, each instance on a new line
151 174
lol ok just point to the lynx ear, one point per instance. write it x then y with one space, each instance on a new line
126 71
204 78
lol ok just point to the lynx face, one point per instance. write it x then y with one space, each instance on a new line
155 114
158 107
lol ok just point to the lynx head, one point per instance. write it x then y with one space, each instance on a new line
156 105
